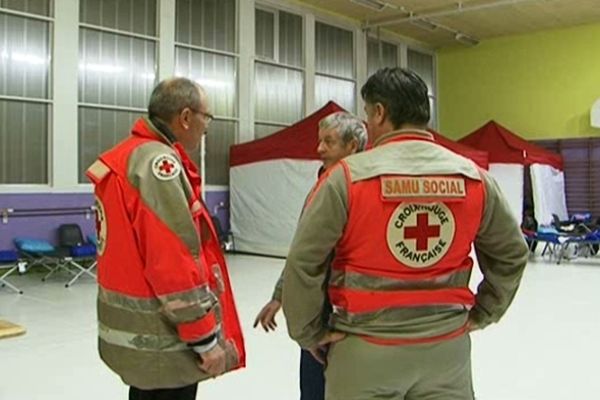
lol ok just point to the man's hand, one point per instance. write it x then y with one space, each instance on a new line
266 316
213 361
472 326
319 352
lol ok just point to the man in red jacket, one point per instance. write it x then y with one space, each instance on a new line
401 219
167 319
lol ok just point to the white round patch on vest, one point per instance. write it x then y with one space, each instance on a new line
419 235
101 228
166 167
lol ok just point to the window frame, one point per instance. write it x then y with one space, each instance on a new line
49 102
277 63
434 122
238 103
109 107
355 57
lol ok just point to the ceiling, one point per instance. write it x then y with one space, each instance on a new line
478 19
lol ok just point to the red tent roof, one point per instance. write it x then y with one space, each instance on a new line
505 147
478 156
298 141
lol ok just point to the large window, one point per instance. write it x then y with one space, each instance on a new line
423 64
102 60
380 54
206 52
25 98
279 71
117 71
334 65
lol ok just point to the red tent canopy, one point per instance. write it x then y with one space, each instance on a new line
298 141
505 147
478 156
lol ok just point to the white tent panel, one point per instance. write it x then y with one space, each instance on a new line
266 201
548 186
510 179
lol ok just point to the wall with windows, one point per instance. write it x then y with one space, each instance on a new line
381 53
278 70
117 72
206 51
25 91
75 74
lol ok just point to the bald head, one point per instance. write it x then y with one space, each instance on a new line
182 105
171 96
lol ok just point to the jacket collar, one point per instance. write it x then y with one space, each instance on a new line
154 129
404 134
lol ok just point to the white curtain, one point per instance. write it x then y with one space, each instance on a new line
266 199
510 179
548 186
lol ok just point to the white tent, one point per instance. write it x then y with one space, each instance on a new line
269 180
509 155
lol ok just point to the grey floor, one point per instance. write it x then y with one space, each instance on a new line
546 348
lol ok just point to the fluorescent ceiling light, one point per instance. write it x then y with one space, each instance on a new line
376 5
466 39
424 24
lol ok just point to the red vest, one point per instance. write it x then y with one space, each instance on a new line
124 246
408 238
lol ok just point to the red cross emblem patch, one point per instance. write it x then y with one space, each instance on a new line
166 167
101 229
419 235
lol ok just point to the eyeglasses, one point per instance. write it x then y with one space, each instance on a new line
207 116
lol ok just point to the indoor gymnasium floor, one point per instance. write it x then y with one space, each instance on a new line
546 348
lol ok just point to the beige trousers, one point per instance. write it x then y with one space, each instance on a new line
359 370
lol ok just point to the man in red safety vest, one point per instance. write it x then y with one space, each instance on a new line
167 317
401 219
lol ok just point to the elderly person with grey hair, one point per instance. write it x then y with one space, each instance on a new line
166 315
340 134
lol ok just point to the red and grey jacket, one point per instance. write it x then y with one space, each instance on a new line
163 281
402 219
405 250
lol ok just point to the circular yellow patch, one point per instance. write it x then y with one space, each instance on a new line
419 235
101 228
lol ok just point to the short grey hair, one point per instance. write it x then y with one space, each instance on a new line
171 96
348 126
